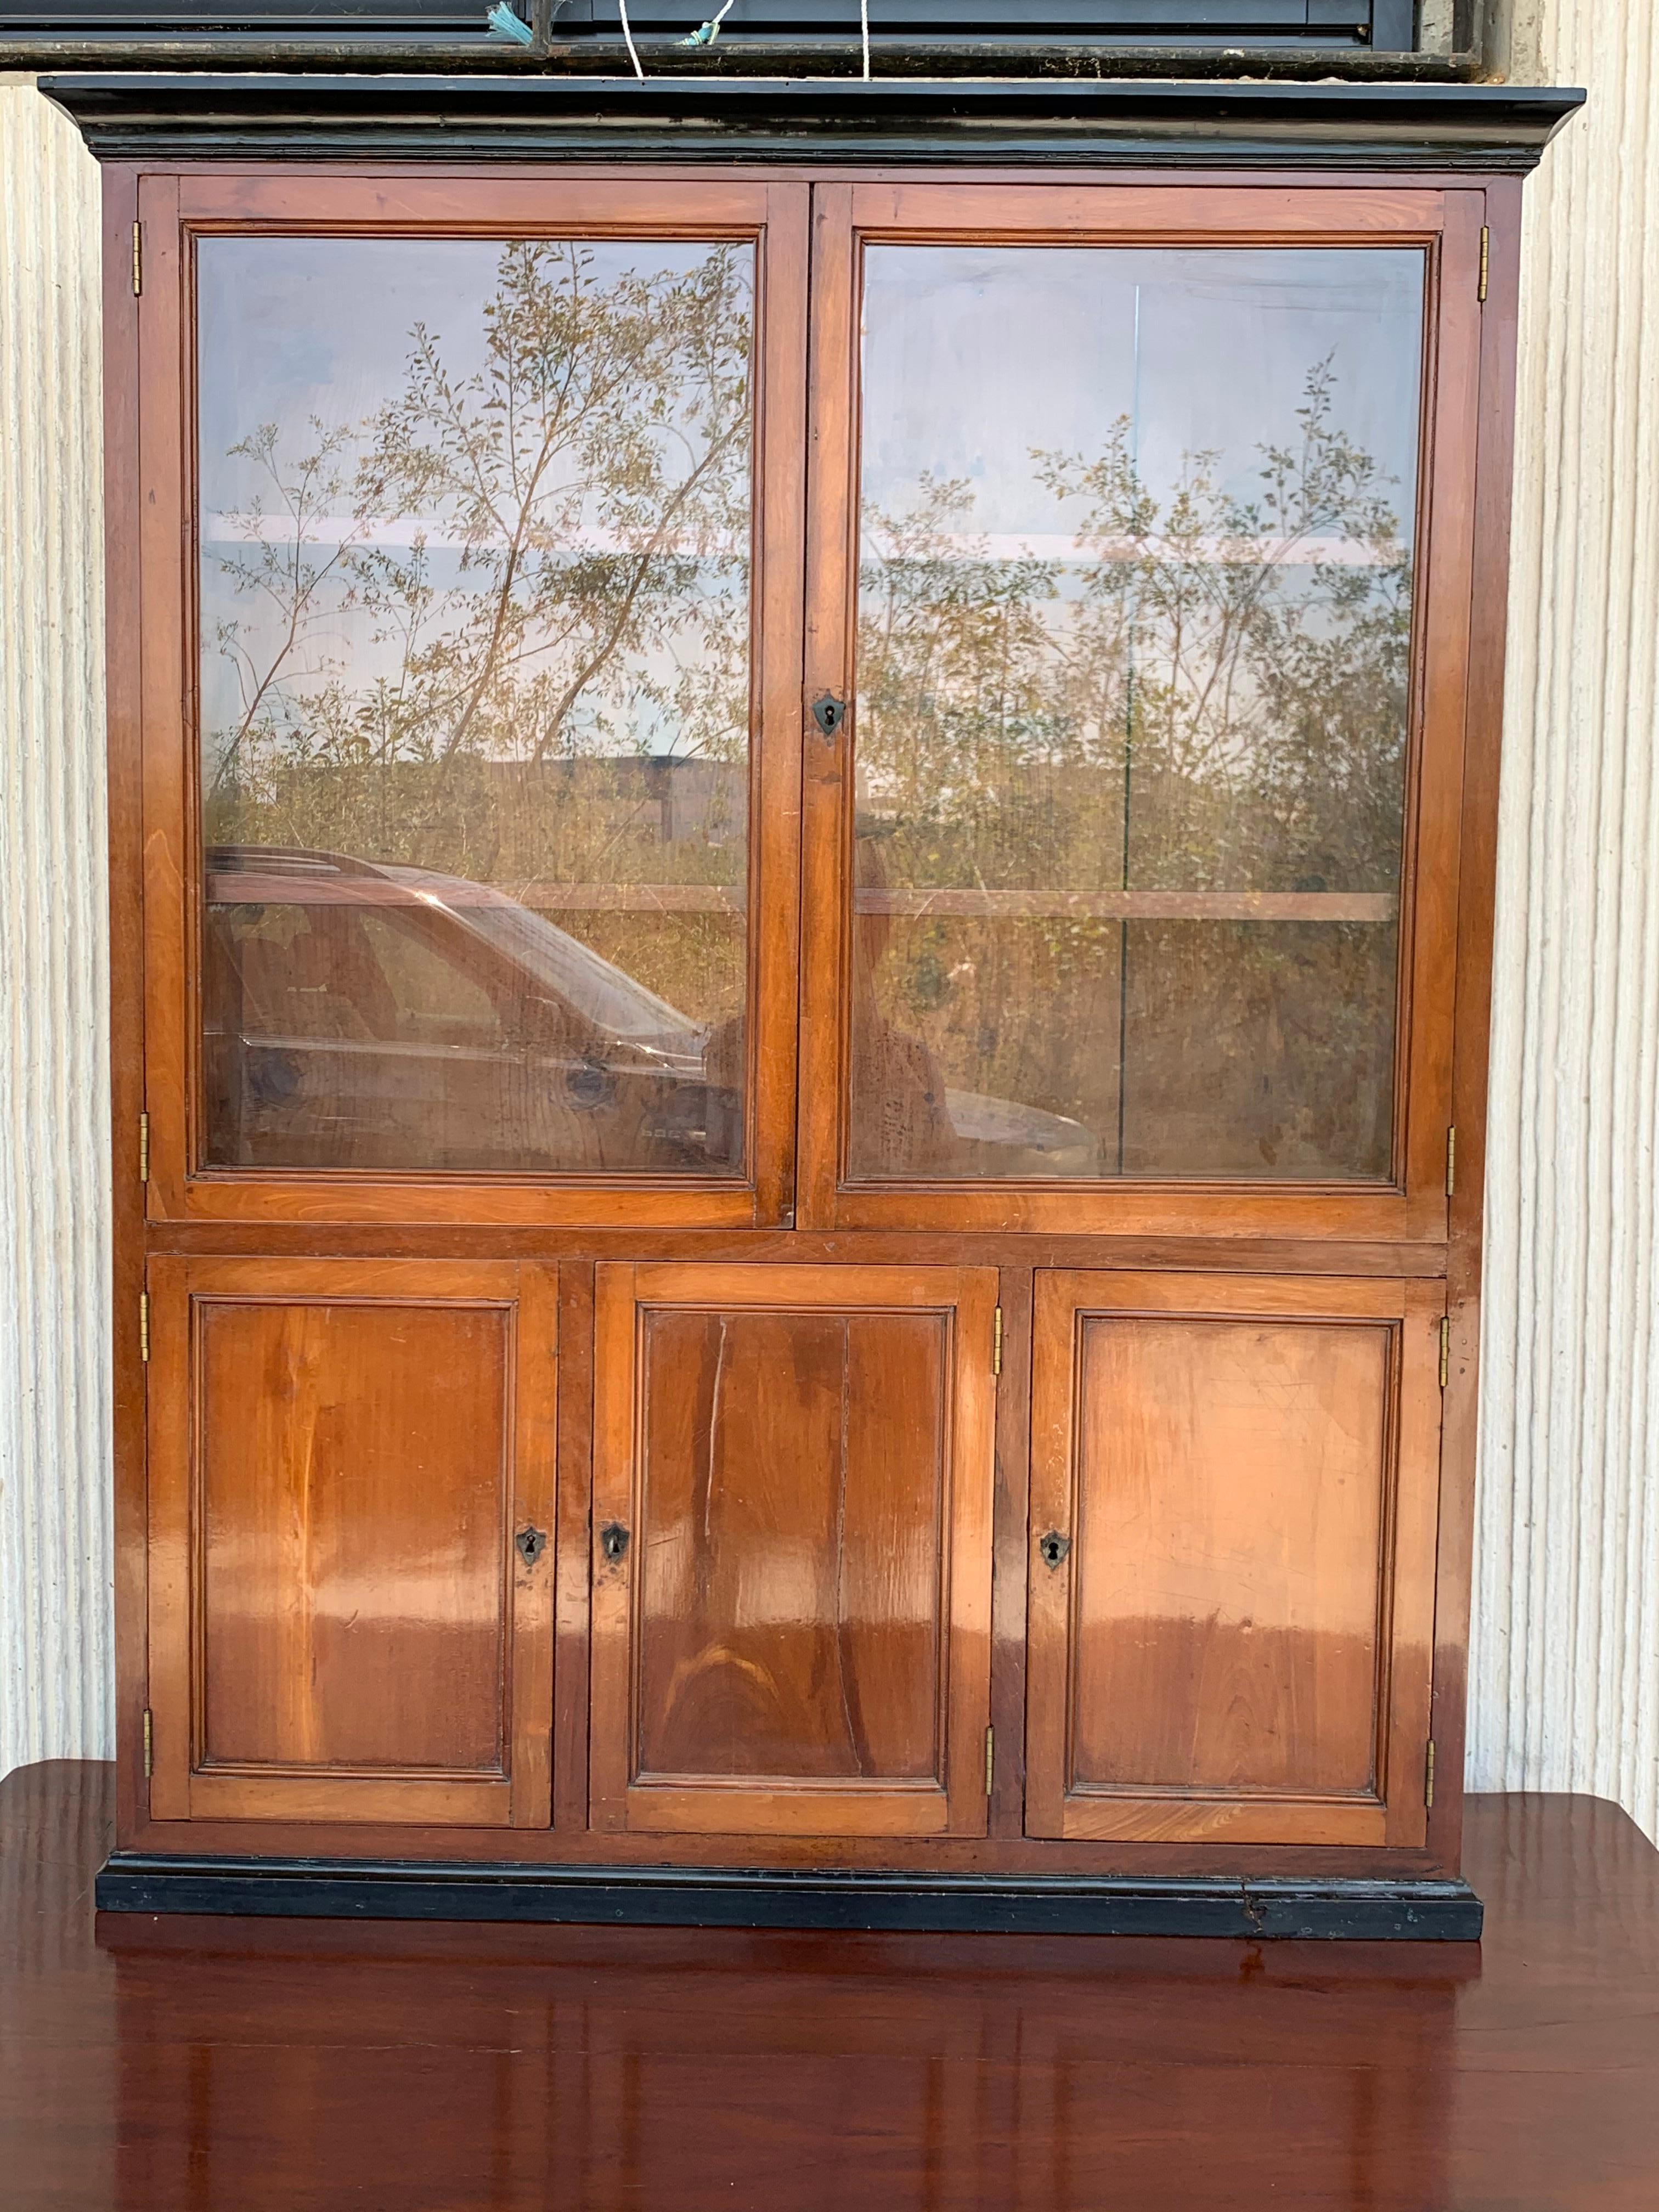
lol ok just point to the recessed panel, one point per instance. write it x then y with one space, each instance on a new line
791 1583
1228 1555
353 1473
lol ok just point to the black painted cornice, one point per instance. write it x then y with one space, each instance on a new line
1191 123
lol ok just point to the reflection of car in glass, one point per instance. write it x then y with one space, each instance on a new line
379 1017
998 1138
365 1015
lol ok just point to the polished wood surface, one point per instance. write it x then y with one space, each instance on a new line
792 1509
352 1522
1228 1536
351 1469
225 2066
1232 1559
1324 1236
1478 878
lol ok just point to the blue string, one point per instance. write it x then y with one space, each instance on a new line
505 23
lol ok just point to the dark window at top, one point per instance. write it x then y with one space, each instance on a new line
1385 25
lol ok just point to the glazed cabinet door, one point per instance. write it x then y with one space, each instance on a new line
471 719
351 1470
792 1562
1139 575
1234 1491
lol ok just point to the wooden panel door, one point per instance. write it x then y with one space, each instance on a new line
351 1468
791 1564
1234 1489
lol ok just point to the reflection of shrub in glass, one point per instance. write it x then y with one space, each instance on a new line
1209 697
903 1128
499 630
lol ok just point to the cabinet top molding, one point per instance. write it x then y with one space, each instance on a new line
1187 124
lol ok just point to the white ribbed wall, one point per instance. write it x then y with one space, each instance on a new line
1565 1688
55 1664
1565 1681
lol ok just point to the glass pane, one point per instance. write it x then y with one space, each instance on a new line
1134 634
475 705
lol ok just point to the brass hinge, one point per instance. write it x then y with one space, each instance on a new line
149 1743
996 1343
1445 1352
144 1325
1428 1775
143 1148
1485 262
138 258
990 1759
1451 1160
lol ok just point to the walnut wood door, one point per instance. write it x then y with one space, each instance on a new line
350 1566
1234 1486
792 1562
1139 556
471 718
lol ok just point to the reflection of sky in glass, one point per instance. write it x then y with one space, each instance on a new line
293 329
973 355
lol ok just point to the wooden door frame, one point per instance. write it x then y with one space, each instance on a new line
1396 1815
175 210
618 1800
1446 224
182 1788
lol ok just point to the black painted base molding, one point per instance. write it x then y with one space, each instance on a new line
1031 1904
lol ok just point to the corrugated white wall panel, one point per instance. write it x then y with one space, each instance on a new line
1566 1660
1565 1683
56 1689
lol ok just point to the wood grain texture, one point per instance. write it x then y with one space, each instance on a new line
247 2066
1228 1535
853 1440
792 1481
342 1456
124 708
1473 1050
1233 1634
353 1464
797 1635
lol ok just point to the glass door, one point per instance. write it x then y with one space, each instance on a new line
493 626
1113 855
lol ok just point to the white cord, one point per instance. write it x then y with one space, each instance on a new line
863 34
627 39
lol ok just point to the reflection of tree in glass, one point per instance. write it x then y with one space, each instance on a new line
536 592
1211 695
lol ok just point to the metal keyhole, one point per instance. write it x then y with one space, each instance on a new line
1054 1547
613 1542
829 713
531 1543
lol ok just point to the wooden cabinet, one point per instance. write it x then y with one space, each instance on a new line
1234 1502
350 1577
865 794
792 1550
